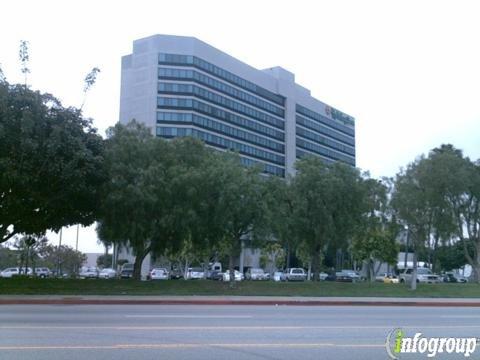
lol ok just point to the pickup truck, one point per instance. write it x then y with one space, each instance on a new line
424 275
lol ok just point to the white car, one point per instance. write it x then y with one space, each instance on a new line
237 275
195 273
424 275
89 273
294 274
257 274
159 274
15 271
277 276
43 272
107 273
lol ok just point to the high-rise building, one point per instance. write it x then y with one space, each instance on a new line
181 86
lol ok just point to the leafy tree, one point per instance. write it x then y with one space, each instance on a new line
51 164
28 248
328 205
24 57
8 257
374 239
148 198
412 204
105 261
272 253
280 201
63 258
235 205
129 200
458 181
89 81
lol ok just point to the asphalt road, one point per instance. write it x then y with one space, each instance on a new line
221 332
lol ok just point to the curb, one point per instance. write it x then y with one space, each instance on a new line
73 301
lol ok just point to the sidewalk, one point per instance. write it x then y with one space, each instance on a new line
234 300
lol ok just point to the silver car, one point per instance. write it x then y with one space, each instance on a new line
294 274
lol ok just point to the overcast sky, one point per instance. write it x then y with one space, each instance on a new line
408 71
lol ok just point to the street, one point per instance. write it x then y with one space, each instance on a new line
220 332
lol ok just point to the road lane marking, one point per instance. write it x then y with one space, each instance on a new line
192 316
235 328
187 346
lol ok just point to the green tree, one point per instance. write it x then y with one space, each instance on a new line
51 164
105 261
63 258
374 238
411 202
458 185
236 205
148 202
328 205
280 201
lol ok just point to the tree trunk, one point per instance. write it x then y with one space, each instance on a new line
316 264
309 276
371 271
434 253
231 270
413 284
137 265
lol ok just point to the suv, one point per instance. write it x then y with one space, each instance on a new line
43 272
294 274
424 275
15 271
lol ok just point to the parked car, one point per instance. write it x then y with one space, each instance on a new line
43 272
176 274
127 271
215 275
424 275
391 279
195 273
452 277
237 275
294 274
107 273
89 273
323 276
277 276
387 278
15 271
159 274
257 274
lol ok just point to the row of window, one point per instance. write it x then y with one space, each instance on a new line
192 75
192 104
188 89
221 142
271 169
174 59
324 120
219 127
319 149
301 154
322 129
325 141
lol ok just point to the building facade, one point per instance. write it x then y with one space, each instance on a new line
181 86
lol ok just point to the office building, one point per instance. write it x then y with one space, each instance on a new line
181 86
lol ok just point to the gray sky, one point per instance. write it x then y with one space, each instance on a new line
409 71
